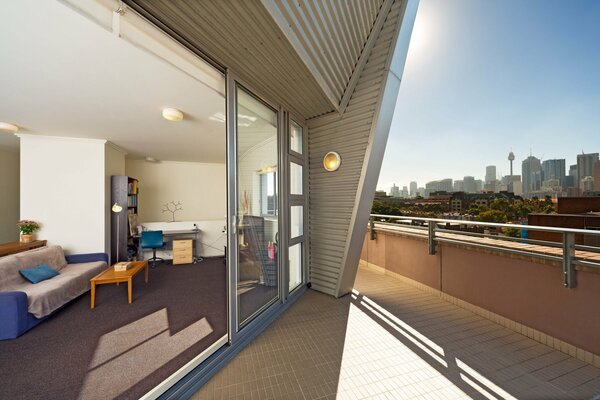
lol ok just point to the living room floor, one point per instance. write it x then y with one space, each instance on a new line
120 350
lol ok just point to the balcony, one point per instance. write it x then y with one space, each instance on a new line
465 322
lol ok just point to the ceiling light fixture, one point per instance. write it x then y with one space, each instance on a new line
172 114
151 159
10 128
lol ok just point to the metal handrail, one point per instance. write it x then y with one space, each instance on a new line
493 224
568 257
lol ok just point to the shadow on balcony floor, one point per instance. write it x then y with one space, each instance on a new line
389 340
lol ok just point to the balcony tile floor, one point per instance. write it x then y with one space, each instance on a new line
389 340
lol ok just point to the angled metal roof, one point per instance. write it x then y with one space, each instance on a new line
302 54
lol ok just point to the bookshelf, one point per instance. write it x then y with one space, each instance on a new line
125 192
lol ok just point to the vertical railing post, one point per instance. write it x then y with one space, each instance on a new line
372 228
431 226
568 256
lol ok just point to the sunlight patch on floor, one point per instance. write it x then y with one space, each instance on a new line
376 364
129 354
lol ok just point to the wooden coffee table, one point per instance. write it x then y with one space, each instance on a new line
110 276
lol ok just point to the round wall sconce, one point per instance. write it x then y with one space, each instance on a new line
332 161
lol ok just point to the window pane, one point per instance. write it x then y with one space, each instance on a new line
257 206
295 266
295 178
296 137
296 221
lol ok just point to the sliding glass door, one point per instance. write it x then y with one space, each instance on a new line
257 206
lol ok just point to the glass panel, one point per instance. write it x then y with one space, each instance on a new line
295 178
296 137
296 221
257 206
295 266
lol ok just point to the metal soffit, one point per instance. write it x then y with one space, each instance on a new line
300 54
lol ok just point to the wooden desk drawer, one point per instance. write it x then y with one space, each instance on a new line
182 259
182 245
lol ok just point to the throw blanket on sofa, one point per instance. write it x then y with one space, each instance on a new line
47 296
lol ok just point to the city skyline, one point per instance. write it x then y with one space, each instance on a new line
480 81
517 171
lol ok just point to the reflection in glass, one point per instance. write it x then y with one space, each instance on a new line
296 222
257 206
295 178
295 266
295 137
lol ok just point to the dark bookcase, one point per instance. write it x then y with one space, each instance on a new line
124 192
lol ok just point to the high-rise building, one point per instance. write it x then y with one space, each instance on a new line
585 165
395 191
413 189
469 184
587 184
555 169
478 185
596 176
444 185
490 173
458 186
404 192
529 171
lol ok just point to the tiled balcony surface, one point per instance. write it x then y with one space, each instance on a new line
392 341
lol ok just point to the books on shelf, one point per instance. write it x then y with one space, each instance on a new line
123 266
132 201
132 186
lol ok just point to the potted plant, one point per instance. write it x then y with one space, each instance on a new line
26 228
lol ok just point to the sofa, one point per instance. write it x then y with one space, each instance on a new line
24 305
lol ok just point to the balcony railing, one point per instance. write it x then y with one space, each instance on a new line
453 231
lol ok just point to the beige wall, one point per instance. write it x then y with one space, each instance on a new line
9 194
200 187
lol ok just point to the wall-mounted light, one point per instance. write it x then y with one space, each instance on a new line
10 128
172 114
332 161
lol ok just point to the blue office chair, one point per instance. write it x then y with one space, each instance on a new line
153 240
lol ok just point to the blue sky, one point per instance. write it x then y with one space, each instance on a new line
487 76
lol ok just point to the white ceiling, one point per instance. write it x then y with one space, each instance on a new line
64 75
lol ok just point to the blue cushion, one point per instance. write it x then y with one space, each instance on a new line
38 274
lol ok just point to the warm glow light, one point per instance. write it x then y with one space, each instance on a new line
332 161
172 114
116 208
10 128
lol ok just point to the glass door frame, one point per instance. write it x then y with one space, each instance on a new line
235 331
296 200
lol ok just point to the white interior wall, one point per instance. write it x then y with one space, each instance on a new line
201 189
262 155
114 159
9 194
63 188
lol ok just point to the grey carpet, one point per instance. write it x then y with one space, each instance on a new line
118 350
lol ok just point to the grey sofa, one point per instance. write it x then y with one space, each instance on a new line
23 304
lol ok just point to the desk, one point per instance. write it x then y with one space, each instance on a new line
178 234
17 247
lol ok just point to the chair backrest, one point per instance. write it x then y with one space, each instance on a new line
152 239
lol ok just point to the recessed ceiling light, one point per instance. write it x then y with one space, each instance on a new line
172 114
150 159
10 128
